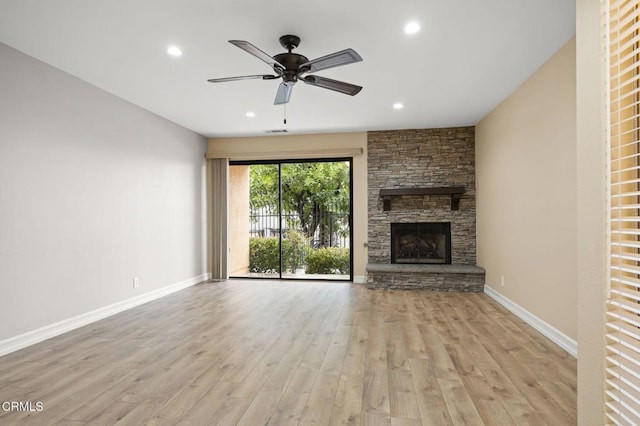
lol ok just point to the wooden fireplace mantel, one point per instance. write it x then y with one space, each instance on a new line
454 191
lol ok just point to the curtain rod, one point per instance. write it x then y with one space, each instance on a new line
294 154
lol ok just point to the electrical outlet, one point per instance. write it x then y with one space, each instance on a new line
502 280
136 282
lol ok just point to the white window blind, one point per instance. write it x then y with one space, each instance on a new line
622 387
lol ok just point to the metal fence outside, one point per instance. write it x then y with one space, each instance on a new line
333 230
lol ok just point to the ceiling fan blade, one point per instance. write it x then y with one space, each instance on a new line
244 77
327 83
343 57
284 93
250 48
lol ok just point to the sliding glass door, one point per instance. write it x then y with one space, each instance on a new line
290 219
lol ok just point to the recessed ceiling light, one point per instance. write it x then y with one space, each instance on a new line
398 105
250 114
174 51
412 27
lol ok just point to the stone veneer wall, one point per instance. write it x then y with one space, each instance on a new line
422 158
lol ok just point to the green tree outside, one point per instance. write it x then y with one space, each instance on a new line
309 189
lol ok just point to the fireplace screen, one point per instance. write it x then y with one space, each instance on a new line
428 242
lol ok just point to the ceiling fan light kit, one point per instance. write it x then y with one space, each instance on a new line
291 67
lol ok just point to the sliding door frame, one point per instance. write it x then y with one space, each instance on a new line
279 163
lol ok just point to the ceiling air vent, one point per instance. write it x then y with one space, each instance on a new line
276 131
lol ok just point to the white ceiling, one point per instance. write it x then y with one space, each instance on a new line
469 55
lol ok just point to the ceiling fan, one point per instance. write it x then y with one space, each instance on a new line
292 67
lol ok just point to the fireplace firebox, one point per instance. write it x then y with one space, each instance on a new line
425 242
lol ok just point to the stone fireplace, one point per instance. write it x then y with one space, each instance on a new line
421 189
421 243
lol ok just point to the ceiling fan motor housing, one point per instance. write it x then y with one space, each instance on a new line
291 63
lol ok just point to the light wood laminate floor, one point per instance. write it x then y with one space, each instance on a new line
289 353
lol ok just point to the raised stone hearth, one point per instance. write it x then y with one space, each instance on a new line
460 278
423 176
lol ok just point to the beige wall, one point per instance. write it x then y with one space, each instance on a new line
526 194
239 220
590 152
312 146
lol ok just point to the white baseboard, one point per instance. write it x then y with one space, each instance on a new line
553 334
35 336
359 279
